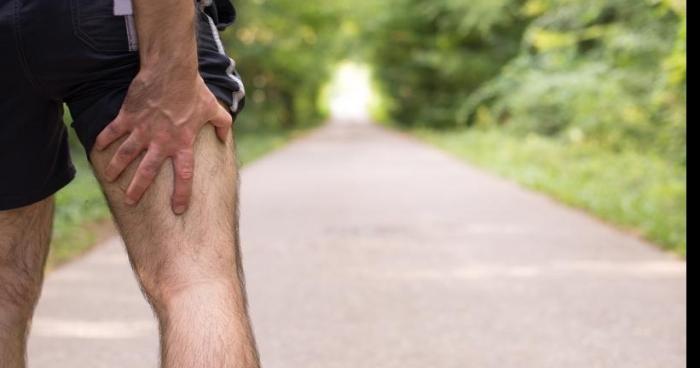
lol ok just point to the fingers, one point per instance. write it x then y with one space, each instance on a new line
129 150
115 130
183 165
222 121
223 133
145 174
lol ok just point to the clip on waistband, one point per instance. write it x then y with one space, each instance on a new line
123 7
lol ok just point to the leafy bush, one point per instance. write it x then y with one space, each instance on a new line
603 71
430 55
585 100
285 51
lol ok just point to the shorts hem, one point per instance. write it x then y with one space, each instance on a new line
56 184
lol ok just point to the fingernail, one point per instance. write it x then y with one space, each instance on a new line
179 210
130 202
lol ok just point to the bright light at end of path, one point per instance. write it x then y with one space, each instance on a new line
351 93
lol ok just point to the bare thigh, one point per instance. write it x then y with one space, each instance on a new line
168 250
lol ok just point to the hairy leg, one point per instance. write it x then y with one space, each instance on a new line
25 234
189 266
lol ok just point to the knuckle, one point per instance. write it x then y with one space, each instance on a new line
131 192
127 151
150 170
133 196
136 190
114 128
185 174
111 171
180 199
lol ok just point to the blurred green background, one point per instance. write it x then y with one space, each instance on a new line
584 100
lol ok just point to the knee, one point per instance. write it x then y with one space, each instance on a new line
169 285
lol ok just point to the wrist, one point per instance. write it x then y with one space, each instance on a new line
167 37
165 54
164 68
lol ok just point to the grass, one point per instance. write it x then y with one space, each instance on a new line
82 216
79 207
637 191
253 144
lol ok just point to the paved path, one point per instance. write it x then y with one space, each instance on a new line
366 249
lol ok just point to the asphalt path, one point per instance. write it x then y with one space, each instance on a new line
364 248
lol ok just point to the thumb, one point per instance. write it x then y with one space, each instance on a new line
222 121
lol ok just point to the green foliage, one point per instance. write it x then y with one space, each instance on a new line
602 71
638 191
285 51
78 207
582 99
251 145
430 55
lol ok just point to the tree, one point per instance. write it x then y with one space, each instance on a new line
285 51
430 55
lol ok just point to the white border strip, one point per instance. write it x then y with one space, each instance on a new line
131 33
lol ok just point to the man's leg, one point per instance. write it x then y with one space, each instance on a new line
189 266
25 234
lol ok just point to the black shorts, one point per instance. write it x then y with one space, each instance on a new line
79 53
